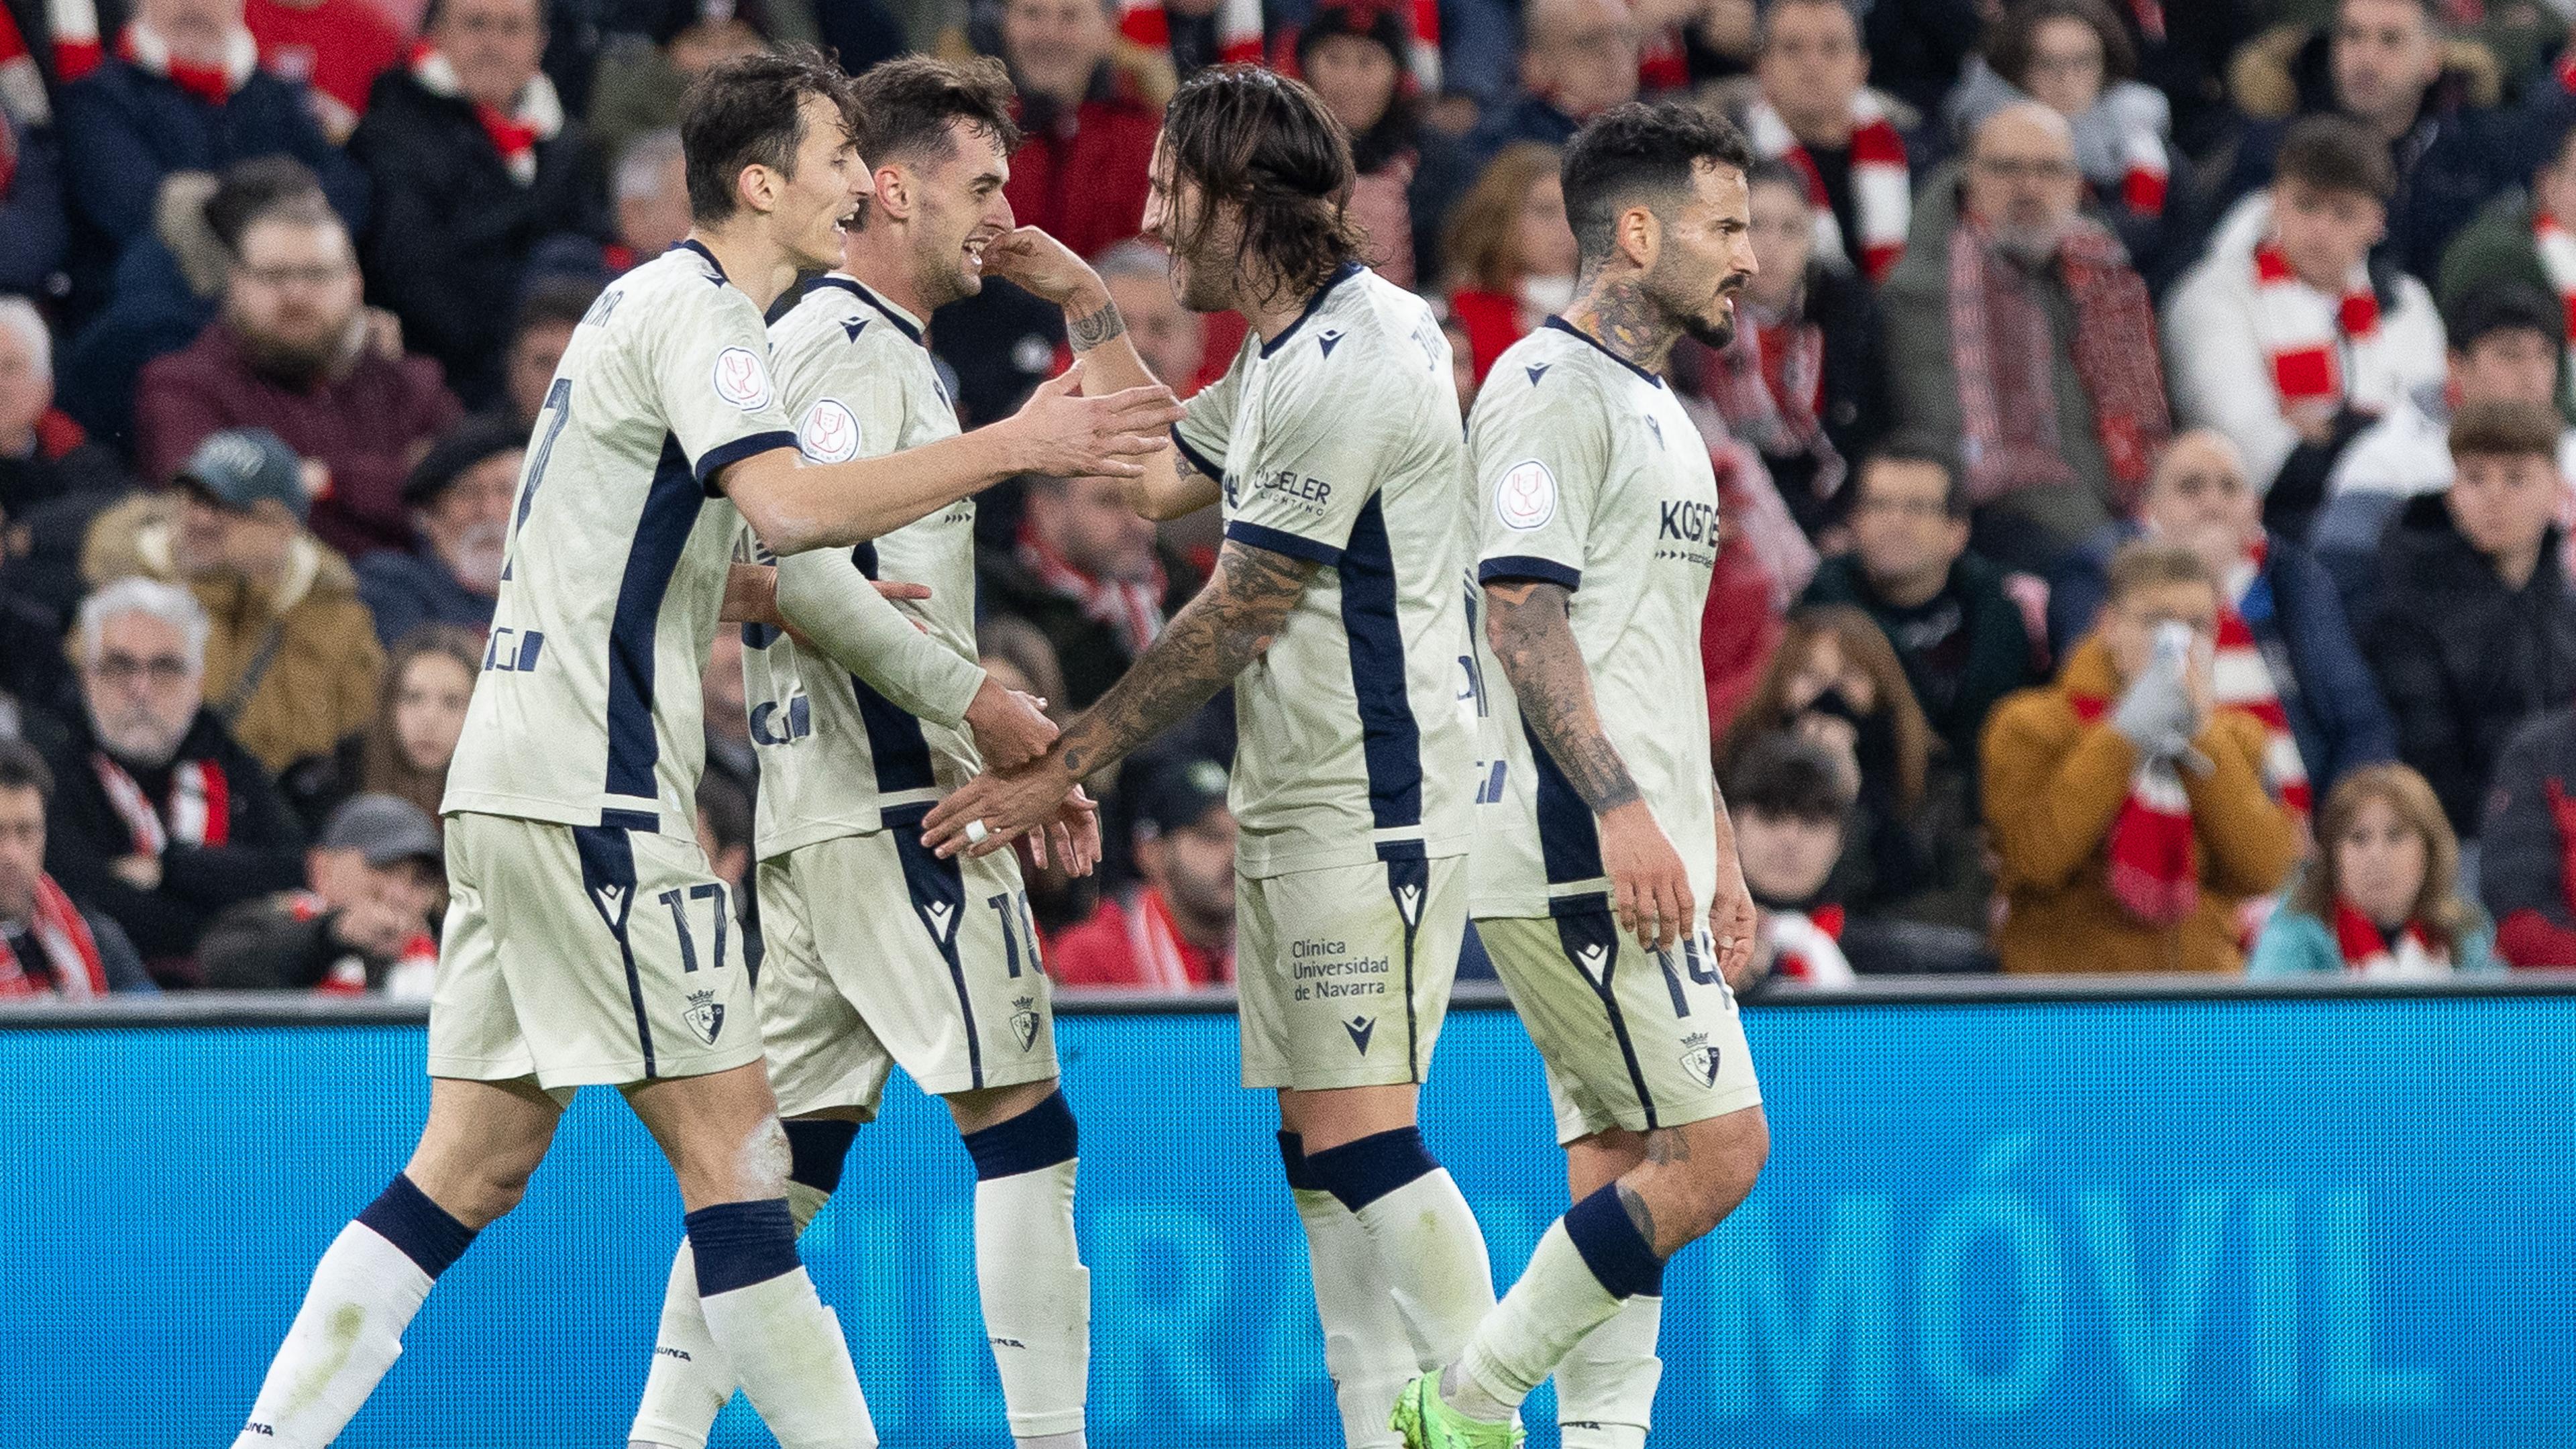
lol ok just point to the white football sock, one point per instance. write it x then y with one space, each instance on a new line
1605 1388
349 1331
690 1382
1556 1302
1367 1348
794 1365
1037 1302
1432 1256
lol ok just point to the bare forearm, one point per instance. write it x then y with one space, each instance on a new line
1534 641
1169 486
795 507
1206 645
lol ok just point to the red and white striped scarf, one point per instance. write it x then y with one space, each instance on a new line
2307 332
71 952
22 81
2242 680
1807 946
200 804
1163 956
536 115
2153 874
2146 172
1882 190
143 48
2557 247
1133 611
2367 953
73 31
409 975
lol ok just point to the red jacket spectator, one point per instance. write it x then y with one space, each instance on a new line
1082 171
1176 931
1136 944
337 48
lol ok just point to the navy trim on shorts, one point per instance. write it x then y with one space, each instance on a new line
608 865
1601 929
1415 871
661 535
1390 737
934 885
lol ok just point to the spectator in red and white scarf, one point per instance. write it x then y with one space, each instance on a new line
2381 898
361 923
2286 337
158 819
49 946
1175 930
184 91
1508 256
1814 110
2018 332
1085 571
475 168
2125 805
2074 57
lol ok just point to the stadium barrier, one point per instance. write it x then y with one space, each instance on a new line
1997 1213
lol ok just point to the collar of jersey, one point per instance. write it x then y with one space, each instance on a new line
694 245
902 320
1341 274
1568 328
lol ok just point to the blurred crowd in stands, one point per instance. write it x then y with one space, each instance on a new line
2145 451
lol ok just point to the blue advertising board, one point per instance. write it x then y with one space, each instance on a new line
2309 1222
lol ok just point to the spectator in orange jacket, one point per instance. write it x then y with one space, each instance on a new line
2129 812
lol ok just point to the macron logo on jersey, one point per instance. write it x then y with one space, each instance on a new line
1327 341
741 380
1538 370
612 901
854 327
940 917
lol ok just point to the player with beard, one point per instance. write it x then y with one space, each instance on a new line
1338 613
878 953
1600 825
587 939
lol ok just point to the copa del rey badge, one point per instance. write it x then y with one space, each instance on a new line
830 434
705 1016
741 380
1525 499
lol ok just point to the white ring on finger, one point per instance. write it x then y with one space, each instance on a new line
976 831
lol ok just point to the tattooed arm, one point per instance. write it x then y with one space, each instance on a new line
1532 633
1169 486
1225 627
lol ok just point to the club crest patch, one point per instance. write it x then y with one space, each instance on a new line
705 1016
1699 1058
1024 1021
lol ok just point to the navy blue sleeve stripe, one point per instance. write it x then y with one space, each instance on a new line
1278 541
1197 459
726 455
1524 566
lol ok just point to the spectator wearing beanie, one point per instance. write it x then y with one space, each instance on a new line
2287 337
359 923
2018 332
1175 930
2128 810
459 497
292 353
183 92
1353 52
2475 626
158 819
336 48
475 167
290 662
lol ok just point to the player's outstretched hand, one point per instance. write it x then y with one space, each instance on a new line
1039 264
1732 924
996 808
1649 885
1071 839
1010 728
1065 435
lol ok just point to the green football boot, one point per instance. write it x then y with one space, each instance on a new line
1426 1422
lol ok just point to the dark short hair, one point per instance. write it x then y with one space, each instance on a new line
2503 306
2506 430
1637 150
2008 48
21 768
749 111
1265 144
2335 153
905 106
2147 564
558 300
1954 491
1787 778
256 189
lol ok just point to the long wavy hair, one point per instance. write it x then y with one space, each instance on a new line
2437 906
1265 145
1865 649
383 768
1481 247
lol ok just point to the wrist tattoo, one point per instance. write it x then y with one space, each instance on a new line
1094 328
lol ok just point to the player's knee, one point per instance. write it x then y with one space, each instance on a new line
1724 1157
1032 1141
762 1162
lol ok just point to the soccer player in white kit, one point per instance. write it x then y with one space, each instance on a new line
1599 824
587 942
880 954
1338 612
